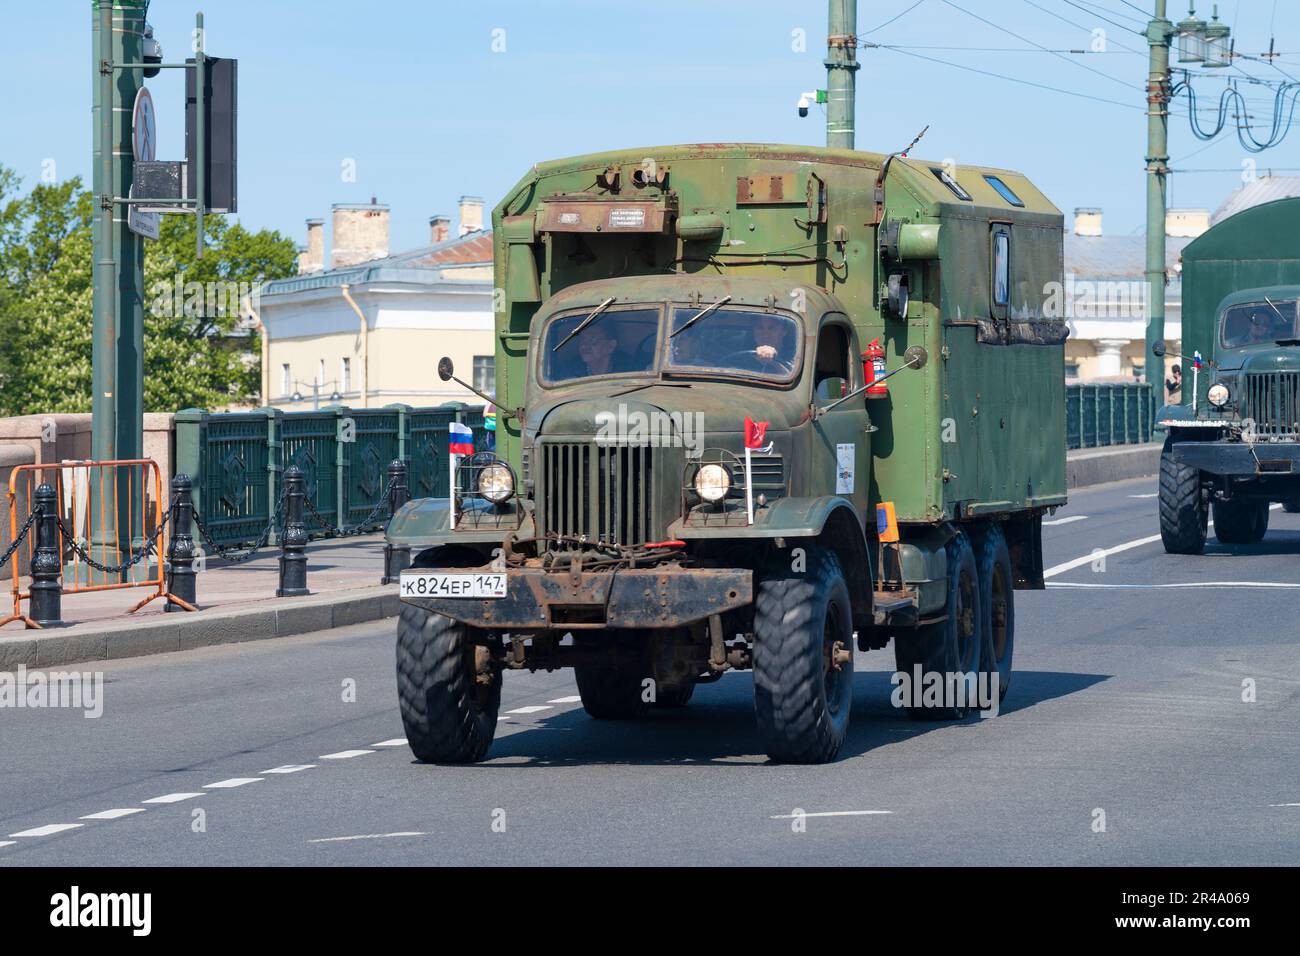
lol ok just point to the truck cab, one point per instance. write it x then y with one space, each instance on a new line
1238 451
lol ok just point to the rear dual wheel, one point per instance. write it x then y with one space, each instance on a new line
1241 520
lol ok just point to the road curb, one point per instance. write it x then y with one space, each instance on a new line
285 617
1097 466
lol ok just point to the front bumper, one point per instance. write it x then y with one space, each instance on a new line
588 600
1235 459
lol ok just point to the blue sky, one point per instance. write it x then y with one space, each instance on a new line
415 95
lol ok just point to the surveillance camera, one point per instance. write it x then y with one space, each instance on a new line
151 51
803 105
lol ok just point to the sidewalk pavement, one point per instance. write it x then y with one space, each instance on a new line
236 602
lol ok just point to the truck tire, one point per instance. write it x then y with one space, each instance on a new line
997 605
1291 506
949 647
614 689
1183 515
450 715
802 696
673 696
1240 521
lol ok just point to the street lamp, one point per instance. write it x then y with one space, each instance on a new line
315 393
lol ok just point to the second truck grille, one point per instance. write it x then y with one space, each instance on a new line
1273 401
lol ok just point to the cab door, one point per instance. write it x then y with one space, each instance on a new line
841 432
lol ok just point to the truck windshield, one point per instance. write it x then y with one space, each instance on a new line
617 342
733 340
1259 323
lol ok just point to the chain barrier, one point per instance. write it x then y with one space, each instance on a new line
231 554
18 539
364 526
136 556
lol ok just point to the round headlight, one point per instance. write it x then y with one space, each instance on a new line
496 483
1218 395
712 482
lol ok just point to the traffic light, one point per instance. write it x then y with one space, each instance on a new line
220 148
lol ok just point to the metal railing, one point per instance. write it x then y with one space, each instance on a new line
1109 414
236 460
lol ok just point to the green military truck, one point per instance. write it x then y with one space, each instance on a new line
652 300
1237 450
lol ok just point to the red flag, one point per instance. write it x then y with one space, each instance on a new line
754 433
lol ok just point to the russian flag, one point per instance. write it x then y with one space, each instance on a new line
460 439
1197 360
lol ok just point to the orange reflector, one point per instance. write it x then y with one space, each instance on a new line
886 522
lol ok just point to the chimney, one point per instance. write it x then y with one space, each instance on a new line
439 228
360 233
1087 222
1186 223
312 256
471 214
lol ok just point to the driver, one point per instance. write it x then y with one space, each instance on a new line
770 340
1261 327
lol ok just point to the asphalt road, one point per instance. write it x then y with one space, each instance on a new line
1127 701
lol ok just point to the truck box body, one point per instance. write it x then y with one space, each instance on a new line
977 432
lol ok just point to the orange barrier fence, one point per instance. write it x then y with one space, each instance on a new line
111 528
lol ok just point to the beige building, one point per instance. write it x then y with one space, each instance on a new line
369 330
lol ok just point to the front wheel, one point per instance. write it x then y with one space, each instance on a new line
448 688
1183 515
803 657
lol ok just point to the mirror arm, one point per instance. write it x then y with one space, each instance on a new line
822 410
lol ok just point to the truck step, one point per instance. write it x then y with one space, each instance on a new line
895 607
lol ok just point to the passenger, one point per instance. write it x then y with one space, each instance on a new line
600 352
1261 327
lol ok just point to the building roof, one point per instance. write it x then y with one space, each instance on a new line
427 265
1255 193
1116 257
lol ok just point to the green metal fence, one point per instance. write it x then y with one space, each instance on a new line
1109 414
236 458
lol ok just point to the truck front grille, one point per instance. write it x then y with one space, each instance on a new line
602 493
1273 403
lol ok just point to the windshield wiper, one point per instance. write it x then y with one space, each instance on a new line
699 315
585 322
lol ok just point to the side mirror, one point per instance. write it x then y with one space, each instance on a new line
446 369
1158 349
916 356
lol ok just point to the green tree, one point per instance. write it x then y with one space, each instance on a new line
196 351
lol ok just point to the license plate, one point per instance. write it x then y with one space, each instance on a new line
436 584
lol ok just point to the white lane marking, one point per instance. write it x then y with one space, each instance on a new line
47 830
1180 584
1284 804
395 742
345 754
1048 524
7 842
116 814
529 710
575 699
1152 495
1107 552
370 836
290 768
172 798
231 783
832 813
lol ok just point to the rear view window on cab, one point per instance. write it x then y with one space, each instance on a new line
950 181
1004 190
597 342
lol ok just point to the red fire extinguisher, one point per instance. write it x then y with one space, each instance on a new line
873 370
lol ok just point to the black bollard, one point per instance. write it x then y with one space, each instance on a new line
396 557
293 543
181 579
47 565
